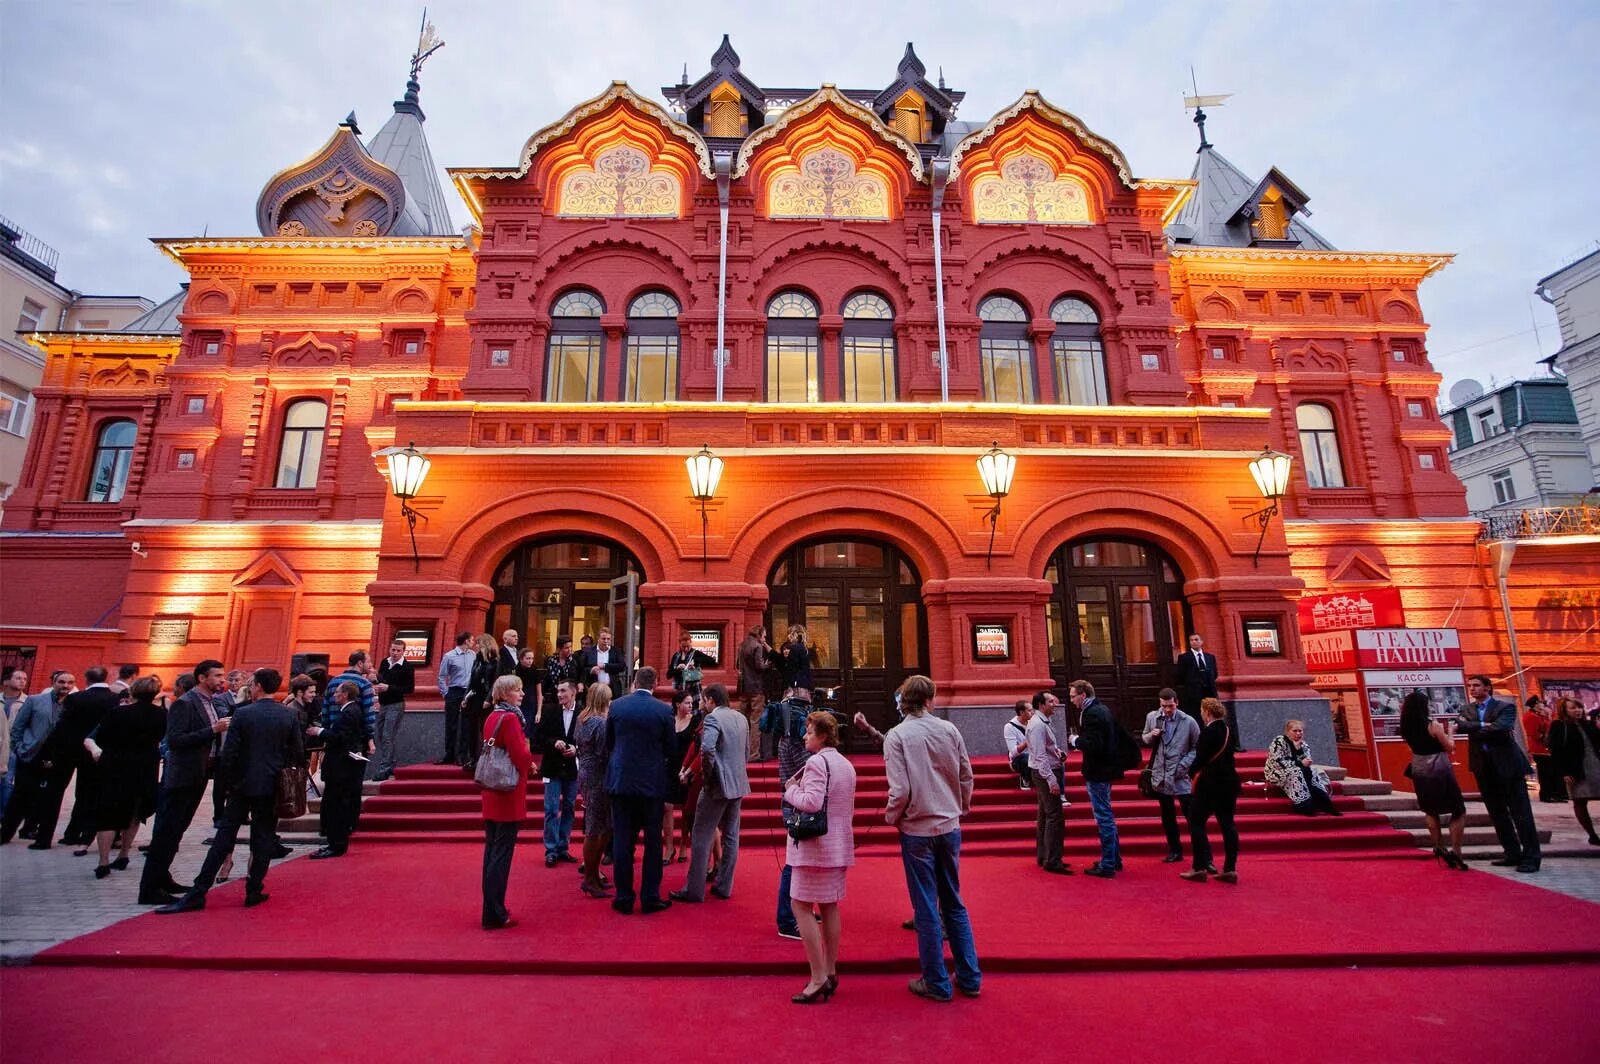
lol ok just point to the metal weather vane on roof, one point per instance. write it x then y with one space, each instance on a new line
428 42
1199 103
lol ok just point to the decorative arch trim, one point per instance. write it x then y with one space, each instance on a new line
311 197
1187 535
920 532
1039 121
1022 245
618 162
841 115
566 512
881 257
600 239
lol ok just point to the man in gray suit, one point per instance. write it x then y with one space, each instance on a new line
1501 769
724 739
30 729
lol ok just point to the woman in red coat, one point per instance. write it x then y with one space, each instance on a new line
503 811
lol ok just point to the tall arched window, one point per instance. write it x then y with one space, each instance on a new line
576 344
1319 445
867 346
792 348
1080 360
652 370
1003 351
300 454
113 456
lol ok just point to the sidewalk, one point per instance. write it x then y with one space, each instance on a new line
1570 865
50 896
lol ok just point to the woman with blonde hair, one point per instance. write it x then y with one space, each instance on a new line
504 811
820 863
592 754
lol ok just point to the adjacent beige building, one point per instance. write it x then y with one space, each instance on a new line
31 300
1574 290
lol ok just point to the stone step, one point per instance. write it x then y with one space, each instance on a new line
1358 787
1475 841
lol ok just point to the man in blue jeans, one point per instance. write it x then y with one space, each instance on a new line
557 738
1097 742
930 790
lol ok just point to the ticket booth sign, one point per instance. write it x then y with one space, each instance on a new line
1408 648
991 642
1375 607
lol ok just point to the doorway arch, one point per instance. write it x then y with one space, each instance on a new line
550 586
861 603
1115 615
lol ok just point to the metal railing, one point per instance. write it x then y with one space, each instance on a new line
29 245
1577 520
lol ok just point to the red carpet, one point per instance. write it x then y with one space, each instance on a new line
1464 1016
424 803
388 908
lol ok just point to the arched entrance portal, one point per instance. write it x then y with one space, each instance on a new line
861 603
1116 613
546 588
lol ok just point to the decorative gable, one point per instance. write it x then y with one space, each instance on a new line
339 191
1028 189
620 184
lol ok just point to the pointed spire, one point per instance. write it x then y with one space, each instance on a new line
1200 124
942 86
910 63
683 82
350 123
725 56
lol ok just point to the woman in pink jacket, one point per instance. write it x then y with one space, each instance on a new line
819 865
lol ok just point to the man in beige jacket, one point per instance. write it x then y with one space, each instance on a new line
930 790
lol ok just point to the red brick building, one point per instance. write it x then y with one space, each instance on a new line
895 290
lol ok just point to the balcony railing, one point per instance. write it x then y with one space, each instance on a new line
1578 520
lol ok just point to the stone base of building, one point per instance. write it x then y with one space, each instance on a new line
1260 720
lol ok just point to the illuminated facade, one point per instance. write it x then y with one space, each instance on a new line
1133 342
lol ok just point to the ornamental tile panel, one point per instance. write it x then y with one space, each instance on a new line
621 185
1028 190
828 186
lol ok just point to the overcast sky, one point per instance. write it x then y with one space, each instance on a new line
1471 128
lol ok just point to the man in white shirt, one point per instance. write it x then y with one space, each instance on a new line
455 673
1015 733
601 663
557 741
1044 758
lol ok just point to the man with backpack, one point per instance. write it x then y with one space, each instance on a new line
1108 753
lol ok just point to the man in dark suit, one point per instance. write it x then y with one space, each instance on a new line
1501 769
1197 676
640 735
263 738
193 722
81 714
557 738
509 654
602 663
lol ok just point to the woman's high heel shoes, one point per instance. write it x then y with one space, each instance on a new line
815 997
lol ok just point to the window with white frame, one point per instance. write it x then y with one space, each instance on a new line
651 373
32 314
1004 352
16 408
113 457
576 344
1080 360
792 342
1319 446
300 456
867 348
1505 489
1488 423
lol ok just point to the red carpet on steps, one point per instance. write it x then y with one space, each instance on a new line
425 803
397 908
1464 1016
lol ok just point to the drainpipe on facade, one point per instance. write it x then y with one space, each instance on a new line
724 165
1501 552
941 176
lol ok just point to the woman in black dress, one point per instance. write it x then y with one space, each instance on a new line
126 748
686 725
1215 781
1434 777
486 669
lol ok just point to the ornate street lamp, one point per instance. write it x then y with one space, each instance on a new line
705 470
408 468
996 467
1270 470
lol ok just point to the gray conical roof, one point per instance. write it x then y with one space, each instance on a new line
402 146
1210 218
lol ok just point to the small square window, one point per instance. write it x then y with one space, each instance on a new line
1415 410
412 347
1398 355
1219 353
185 460
1425 460
500 356
1150 360
212 347
195 404
1228 404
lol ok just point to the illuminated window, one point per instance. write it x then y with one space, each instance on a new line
300 457
652 371
1004 352
576 344
725 112
1080 360
867 346
1272 220
909 118
1319 446
113 457
792 349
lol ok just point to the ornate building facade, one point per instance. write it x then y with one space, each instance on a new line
848 296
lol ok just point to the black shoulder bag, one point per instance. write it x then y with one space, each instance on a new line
1019 763
802 825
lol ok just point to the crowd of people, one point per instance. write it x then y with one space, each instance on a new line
662 782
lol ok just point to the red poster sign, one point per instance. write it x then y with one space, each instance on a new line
1408 648
1375 607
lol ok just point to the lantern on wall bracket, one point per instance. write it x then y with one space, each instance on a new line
408 468
705 470
1270 470
996 467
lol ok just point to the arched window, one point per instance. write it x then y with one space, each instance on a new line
1003 351
113 456
792 348
1080 359
652 370
867 346
576 344
1319 446
300 454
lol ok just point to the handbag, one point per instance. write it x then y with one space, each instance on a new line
495 772
802 825
1147 775
291 792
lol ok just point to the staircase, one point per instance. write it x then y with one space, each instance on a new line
427 803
